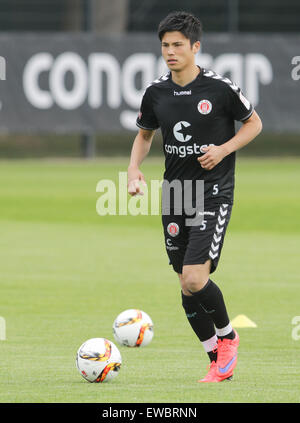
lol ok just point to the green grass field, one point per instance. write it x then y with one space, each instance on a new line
66 273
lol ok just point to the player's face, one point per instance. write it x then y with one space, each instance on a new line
178 51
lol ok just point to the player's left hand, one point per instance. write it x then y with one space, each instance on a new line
213 155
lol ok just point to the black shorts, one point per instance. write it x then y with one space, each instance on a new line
196 244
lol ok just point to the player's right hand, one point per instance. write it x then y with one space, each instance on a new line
135 177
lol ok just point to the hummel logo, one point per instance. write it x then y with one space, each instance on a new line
217 239
183 92
206 311
215 247
221 221
219 230
207 213
190 315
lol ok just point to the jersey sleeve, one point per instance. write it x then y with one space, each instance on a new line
146 118
237 104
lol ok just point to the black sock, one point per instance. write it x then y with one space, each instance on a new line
230 335
213 355
200 321
211 299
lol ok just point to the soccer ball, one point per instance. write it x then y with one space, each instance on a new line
133 328
98 360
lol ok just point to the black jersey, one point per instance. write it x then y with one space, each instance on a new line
200 114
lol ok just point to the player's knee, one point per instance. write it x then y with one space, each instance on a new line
184 289
193 280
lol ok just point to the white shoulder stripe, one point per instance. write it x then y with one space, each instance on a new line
232 85
161 79
214 75
158 80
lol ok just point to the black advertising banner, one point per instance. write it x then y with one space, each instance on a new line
67 82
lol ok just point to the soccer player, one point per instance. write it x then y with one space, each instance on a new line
195 109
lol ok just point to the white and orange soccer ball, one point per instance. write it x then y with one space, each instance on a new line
98 360
133 328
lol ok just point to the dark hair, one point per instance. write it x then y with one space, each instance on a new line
186 23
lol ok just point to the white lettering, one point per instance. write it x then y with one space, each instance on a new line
138 204
143 63
2 329
171 412
156 186
74 98
104 76
258 71
129 414
296 69
40 62
183 92
296 329
2 69
99 64
248 71
230 63
106 203
184 151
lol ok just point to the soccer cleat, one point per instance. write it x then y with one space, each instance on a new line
212 375
227 356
